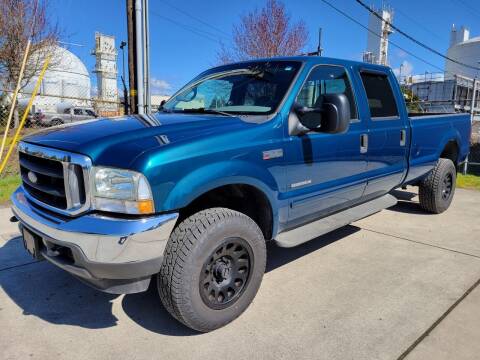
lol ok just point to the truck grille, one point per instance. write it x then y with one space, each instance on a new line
54 179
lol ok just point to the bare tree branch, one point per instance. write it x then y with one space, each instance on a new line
265 33
20 20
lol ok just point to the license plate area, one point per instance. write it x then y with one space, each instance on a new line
33 243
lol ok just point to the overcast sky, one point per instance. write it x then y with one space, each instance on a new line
185 37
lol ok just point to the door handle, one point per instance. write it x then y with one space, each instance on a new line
403 137
363 143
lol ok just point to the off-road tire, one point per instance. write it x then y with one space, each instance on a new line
192 243
434 192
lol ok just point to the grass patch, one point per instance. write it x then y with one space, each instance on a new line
8 185
468 181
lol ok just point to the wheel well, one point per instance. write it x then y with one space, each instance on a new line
243 198
450 151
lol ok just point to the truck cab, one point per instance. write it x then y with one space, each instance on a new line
281 149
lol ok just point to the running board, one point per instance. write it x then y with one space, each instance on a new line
320 227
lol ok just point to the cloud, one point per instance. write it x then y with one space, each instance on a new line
401 54
159 86
407 69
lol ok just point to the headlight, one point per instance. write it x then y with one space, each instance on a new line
122 191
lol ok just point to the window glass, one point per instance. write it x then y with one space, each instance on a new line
380 95
77 111
90 112
66 111
326 80
255 88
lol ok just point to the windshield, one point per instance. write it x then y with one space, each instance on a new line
253 88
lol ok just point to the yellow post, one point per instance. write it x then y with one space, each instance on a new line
25 114
15 94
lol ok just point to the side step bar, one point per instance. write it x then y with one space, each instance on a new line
314 229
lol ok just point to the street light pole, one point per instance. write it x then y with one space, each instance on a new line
125 91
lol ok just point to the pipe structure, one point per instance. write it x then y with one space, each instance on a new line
139 48
25 114
15 94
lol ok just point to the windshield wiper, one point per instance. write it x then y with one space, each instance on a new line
203 110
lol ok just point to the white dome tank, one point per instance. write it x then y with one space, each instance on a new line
66 83
465 50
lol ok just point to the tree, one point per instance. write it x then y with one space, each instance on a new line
267 32
19 20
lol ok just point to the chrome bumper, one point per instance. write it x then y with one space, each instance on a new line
106 252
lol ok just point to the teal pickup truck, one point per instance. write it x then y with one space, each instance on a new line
282 149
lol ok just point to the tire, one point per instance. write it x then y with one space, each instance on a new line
437 189
197 257
56 122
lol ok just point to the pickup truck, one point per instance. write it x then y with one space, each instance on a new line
280 149
69 115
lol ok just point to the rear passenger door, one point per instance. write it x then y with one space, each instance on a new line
78 115
388 133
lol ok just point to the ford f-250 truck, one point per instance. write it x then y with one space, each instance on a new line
281 149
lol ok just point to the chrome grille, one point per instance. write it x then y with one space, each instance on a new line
55 179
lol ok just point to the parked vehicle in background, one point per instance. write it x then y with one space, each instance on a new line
69 115
282 149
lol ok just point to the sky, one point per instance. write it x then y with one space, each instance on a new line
186 35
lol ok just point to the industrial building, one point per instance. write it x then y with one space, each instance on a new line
453 90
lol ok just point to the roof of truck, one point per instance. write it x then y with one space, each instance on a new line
319 60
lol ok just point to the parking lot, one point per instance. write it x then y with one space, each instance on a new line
399 284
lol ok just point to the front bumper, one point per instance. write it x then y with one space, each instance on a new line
115 255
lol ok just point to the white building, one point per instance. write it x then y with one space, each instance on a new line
465 50
66 83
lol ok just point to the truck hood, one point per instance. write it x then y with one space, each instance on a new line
118 141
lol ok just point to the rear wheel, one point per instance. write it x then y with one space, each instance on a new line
437 190
213 266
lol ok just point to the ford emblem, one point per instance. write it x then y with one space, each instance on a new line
32 177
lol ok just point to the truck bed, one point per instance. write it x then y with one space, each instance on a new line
432 132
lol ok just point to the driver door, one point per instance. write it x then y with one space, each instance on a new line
325 172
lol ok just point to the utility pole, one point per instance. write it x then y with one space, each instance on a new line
319 49
132 56
146 58
139 55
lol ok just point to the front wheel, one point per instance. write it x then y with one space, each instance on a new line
213 266
437 189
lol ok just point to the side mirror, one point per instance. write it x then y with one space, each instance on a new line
332 118
336 114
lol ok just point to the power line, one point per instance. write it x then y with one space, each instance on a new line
467 5
418 23
196 18
415 40
194 30
378 35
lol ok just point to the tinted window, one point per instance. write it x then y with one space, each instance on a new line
380 95
326 80
66 111
90 112
77 111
